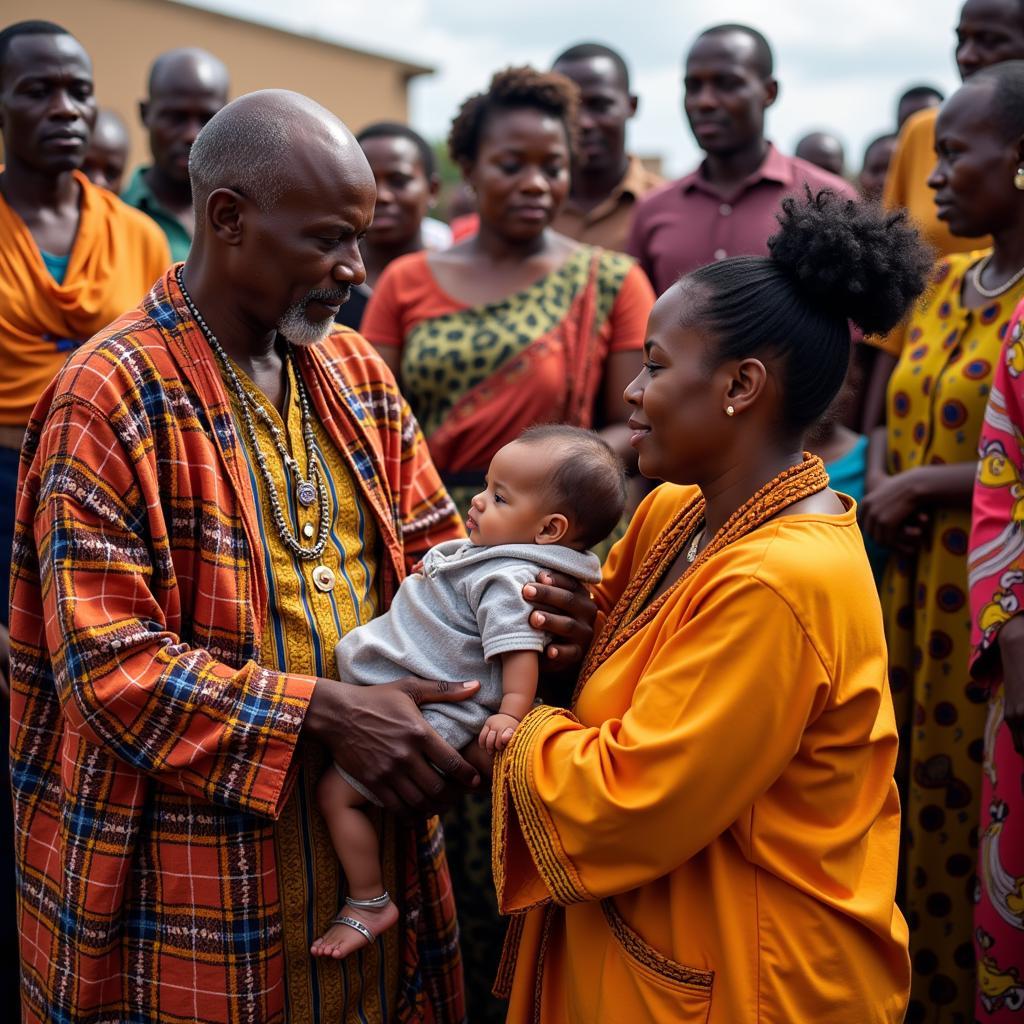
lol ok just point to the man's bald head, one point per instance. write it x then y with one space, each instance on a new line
107 156
823 150
188 69
283 193
186 88
271 142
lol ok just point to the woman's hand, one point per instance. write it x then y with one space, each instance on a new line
873 480
887 512
567 611
876 473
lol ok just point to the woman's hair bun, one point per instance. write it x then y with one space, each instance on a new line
852 260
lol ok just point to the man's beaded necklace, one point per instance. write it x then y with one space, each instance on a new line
309 488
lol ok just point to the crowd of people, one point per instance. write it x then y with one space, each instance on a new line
304 499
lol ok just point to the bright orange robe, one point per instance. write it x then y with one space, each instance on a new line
716 825
117 254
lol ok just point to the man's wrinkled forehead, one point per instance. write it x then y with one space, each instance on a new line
327 169
326 157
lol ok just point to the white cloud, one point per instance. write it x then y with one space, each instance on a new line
841 66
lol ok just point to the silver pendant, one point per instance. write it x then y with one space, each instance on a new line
323 578
307 493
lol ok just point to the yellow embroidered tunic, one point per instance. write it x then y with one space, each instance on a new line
304 624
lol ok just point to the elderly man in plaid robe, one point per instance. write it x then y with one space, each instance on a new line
213 489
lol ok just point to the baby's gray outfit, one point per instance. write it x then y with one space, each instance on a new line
453 619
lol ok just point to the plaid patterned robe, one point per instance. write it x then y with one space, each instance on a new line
150 752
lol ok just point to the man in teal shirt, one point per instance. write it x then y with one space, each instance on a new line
186 88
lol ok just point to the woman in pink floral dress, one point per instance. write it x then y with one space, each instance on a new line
996 576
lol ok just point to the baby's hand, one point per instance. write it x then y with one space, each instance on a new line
497 731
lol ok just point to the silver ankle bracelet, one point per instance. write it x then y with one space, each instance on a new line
377 903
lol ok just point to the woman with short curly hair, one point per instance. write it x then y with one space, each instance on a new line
516 325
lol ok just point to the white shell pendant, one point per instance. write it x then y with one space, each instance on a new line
323 578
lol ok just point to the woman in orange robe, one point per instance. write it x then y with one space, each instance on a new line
711 833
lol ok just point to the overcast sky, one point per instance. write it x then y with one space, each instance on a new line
840 65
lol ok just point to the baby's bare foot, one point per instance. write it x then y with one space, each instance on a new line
342 939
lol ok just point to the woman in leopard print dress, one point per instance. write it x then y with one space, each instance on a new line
514 326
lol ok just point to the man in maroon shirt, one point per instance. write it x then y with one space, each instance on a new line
727 206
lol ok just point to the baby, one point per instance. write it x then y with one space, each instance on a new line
549 497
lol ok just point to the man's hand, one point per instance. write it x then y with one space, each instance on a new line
482 760
566 610
377 734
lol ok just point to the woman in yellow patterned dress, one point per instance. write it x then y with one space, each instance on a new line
920 477
514 326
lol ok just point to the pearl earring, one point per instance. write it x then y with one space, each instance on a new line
730 410
1018 179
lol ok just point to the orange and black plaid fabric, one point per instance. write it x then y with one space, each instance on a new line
150 752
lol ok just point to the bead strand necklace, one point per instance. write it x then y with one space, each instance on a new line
993 293
309 488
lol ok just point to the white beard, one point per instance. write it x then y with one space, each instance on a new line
296 326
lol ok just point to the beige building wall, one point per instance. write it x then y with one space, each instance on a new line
123 36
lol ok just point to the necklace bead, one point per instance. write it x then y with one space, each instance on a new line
309 489
323 578
692 553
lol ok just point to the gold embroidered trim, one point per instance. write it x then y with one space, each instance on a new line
555 869
650 957
502 986
542 953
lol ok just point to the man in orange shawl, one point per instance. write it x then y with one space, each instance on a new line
72 257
